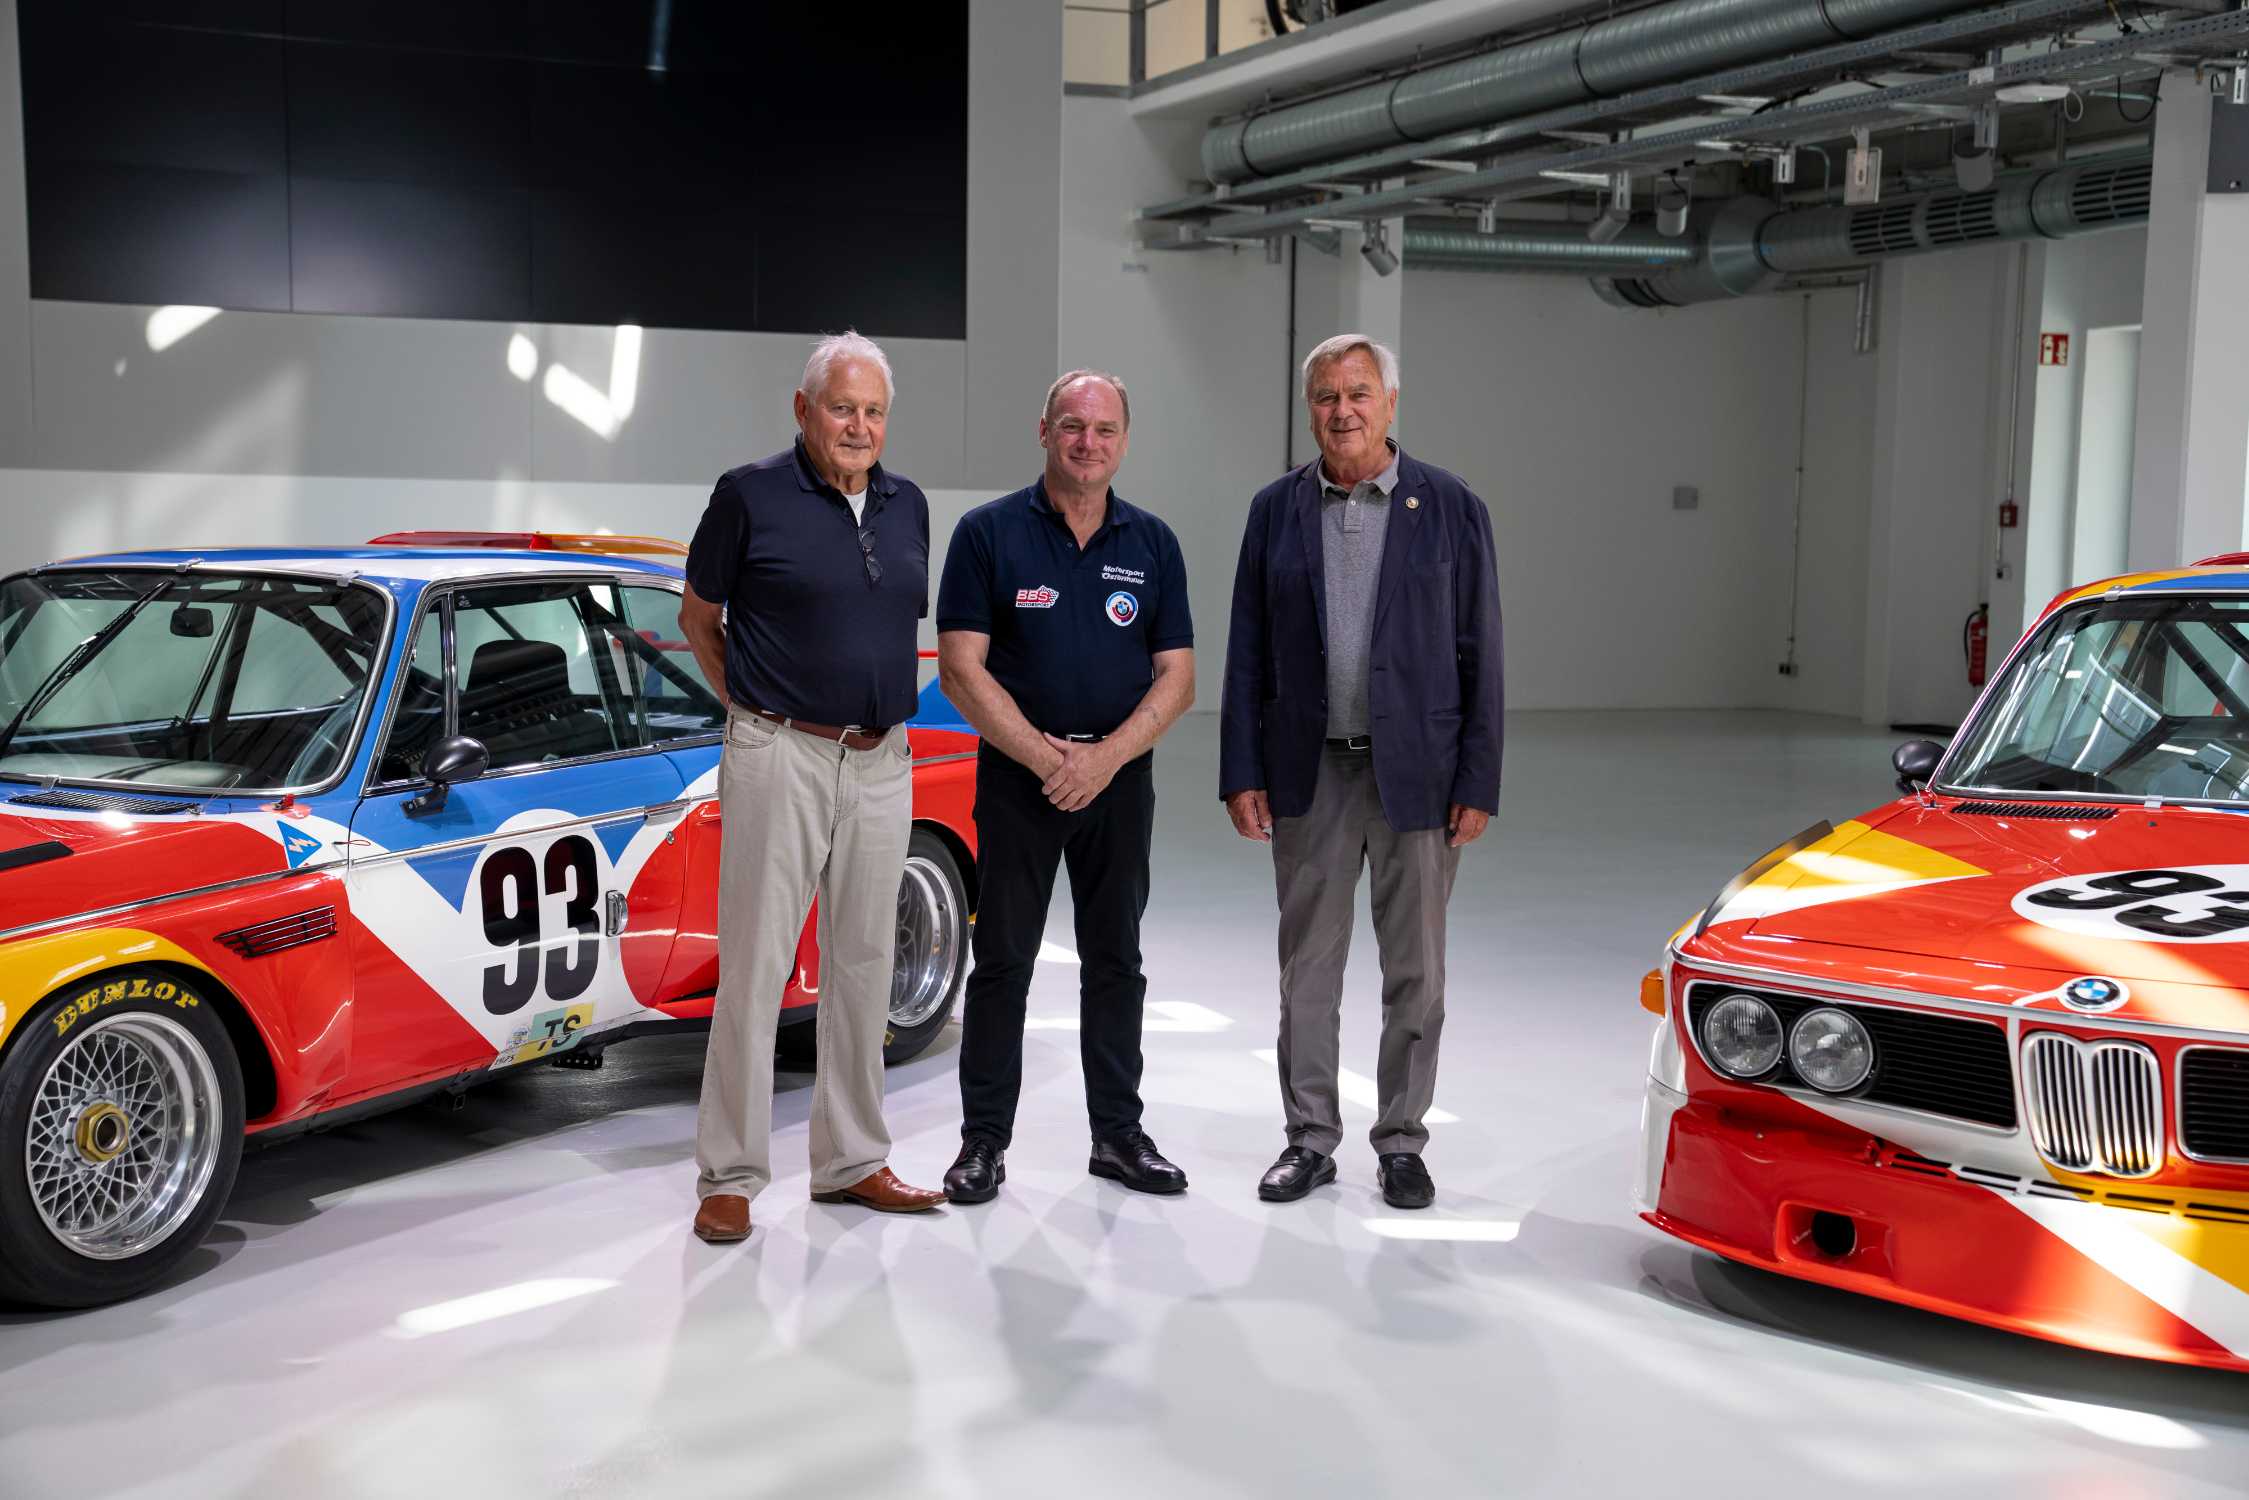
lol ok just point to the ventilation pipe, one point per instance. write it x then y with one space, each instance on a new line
1746 246
1662 44
1538 245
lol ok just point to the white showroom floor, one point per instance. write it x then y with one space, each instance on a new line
505 1301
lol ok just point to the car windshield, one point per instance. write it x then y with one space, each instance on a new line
2128 696
197 681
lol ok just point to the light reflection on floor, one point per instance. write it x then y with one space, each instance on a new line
504 1300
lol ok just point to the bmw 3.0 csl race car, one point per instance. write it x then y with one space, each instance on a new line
1985 1050
290 834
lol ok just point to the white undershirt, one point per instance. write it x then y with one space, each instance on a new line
858 504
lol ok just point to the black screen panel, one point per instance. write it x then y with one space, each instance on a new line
680 163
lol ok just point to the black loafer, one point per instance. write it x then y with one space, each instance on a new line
1299 1170
1133 1160
976 1174
1405 1181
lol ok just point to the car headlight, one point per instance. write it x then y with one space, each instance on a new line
1743 1036
1830 1050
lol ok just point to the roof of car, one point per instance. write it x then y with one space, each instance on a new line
2228 574
419 564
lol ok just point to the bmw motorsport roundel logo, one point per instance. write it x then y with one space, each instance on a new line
1122 608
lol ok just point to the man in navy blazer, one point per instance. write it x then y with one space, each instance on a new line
1360 728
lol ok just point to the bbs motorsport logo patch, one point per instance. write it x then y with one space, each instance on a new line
1041 597
2189 904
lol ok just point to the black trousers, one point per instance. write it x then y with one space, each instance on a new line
1020 836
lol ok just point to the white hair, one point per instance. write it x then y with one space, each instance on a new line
844 348
1329 350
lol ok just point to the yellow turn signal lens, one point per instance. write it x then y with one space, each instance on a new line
1651 991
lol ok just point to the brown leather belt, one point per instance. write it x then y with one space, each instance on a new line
850 736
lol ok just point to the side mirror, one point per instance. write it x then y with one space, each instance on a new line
459 758
189 620
1915 761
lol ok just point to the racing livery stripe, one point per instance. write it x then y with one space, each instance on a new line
2195 1271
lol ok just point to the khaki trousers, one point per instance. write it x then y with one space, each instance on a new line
1316 863
801 814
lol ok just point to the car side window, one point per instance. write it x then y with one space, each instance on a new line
419 721
662 681
531 683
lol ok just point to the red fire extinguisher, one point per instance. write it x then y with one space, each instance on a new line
1975 640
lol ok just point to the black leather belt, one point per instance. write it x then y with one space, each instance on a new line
1352 742
1082 739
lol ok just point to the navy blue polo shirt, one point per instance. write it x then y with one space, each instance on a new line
808 634
1074 634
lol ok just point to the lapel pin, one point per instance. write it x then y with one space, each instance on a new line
1412 503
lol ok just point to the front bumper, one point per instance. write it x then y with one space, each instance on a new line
1771 1195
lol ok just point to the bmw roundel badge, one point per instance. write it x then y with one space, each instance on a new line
2094 993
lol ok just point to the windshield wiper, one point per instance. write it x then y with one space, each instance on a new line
84 652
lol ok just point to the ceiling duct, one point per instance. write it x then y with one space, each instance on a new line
1664 43
1745 245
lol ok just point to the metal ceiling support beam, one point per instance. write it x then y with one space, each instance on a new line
2210 35
2029 17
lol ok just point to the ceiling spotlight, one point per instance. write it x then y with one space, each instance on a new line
1375 246
1618 212
1672 200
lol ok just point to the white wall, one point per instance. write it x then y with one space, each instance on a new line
2087 283
1940 427
303 428
1574 420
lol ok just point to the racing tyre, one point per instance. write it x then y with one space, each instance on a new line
120 1132
930 963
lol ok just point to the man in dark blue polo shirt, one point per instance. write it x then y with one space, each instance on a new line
806 582
1063 635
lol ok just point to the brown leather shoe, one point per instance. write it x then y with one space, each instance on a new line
881 1190
723 1218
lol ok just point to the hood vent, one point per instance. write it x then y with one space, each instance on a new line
33 854
124 802
2041 810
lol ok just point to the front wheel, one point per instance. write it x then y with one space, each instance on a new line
928 964
120 1132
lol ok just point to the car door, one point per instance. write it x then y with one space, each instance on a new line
500 920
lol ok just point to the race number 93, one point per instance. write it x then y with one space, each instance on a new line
511 885
2186 904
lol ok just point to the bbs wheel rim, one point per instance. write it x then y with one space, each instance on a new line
124 1136
928 947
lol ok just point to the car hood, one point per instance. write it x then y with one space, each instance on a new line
2128 893
56 863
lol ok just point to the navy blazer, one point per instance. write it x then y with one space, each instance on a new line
1434 693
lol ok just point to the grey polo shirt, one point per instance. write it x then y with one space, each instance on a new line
1352 526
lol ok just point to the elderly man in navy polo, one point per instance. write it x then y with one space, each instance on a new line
806 581
1360 727
1063 634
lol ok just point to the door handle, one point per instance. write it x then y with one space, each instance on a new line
614 915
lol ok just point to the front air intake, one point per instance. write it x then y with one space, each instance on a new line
2094 1106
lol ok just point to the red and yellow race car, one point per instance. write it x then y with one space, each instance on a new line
1985 1050
288 835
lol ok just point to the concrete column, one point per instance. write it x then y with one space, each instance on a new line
15 257
2190 456
1014 234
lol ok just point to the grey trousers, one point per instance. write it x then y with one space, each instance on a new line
802 814
1316 863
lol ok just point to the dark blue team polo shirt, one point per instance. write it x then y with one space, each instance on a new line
1073 633
808 634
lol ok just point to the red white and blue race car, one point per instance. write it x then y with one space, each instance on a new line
292 834
1984 1050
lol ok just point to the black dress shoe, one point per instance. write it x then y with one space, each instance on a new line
1299 1170
976 1174
1133 1160
1405 1181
